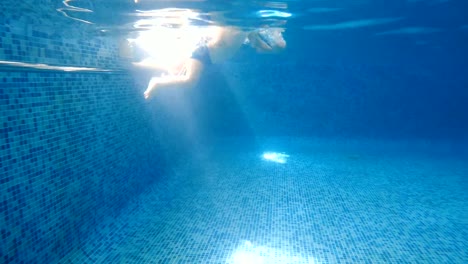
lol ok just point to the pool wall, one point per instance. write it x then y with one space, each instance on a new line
358 101
75 147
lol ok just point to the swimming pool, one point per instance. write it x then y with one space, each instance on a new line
347 147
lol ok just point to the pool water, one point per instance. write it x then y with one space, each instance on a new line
348 146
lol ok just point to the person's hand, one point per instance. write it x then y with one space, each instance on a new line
151 85
267 40
147 93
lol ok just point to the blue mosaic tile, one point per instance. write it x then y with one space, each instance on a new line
63 165
341 204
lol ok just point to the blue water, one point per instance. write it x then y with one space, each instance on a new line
350 146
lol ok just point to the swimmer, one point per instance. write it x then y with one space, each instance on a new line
227 42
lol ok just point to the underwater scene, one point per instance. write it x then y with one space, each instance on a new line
236 132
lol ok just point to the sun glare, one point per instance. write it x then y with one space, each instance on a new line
167 35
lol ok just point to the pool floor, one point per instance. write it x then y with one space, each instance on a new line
327 203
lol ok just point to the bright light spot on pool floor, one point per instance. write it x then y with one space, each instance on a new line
248 253
275 157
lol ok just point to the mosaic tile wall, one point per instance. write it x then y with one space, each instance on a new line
34 32
335 100
74 147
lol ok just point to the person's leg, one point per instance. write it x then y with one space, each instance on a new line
188 78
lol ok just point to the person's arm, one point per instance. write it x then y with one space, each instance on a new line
187 79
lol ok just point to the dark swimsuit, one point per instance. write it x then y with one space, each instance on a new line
202 54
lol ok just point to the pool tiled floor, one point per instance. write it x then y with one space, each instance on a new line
325 204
